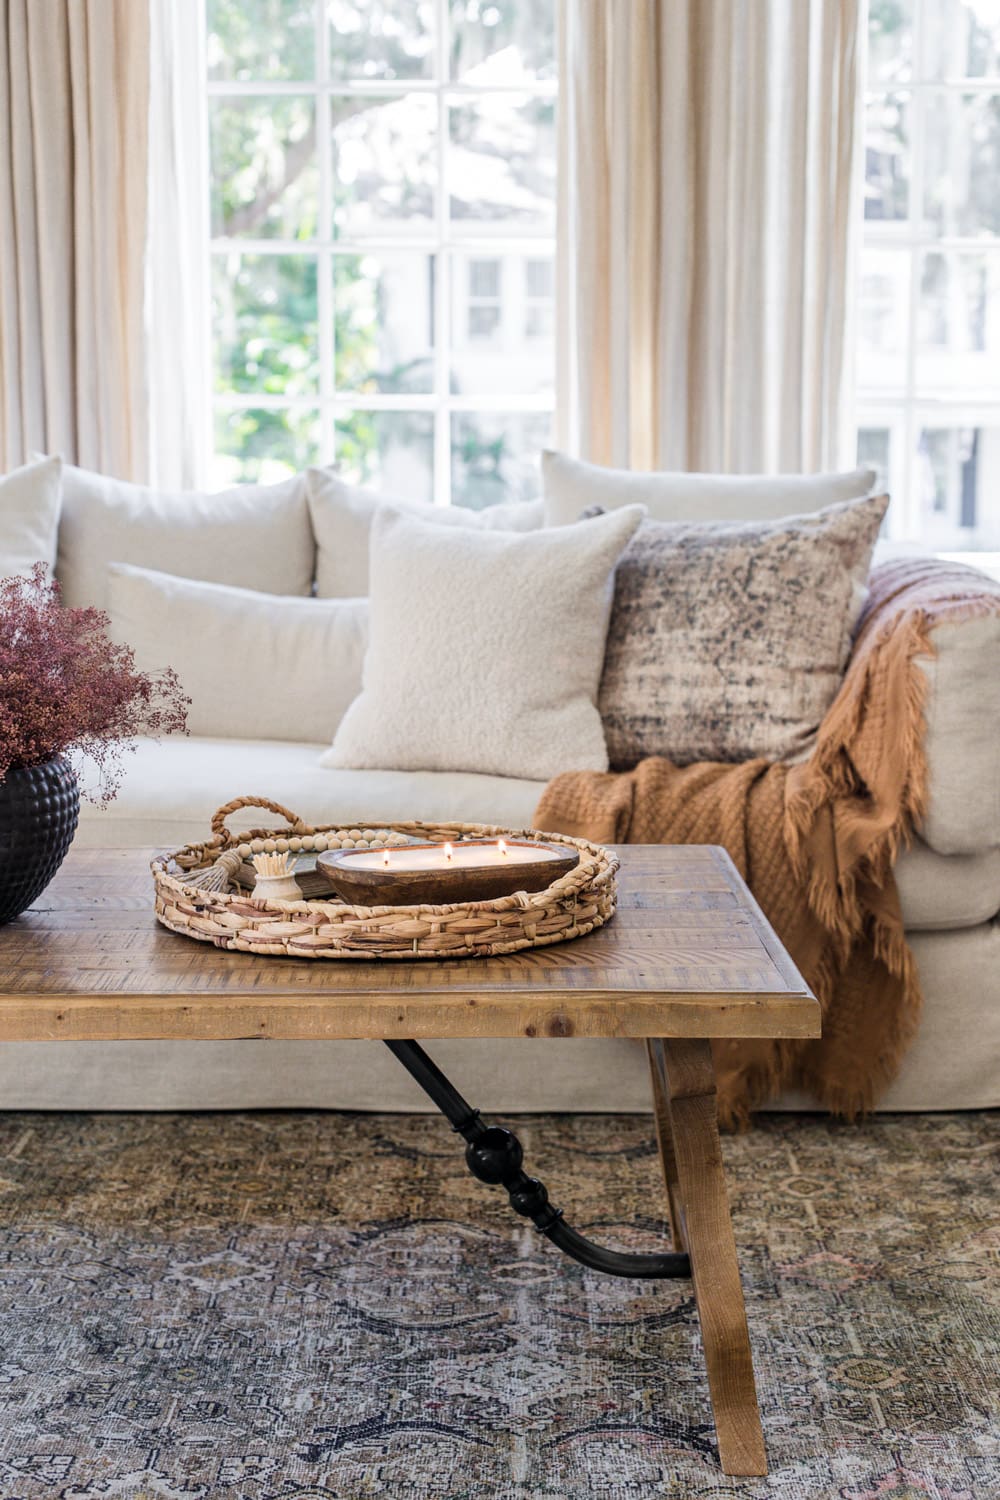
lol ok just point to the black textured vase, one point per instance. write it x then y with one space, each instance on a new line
39 806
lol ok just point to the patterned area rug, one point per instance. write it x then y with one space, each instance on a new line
327 1307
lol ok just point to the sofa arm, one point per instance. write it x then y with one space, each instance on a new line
962 737
939 620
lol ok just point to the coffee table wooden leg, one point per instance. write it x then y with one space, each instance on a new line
704 1210
665 1141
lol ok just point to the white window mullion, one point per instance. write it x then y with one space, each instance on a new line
388 88
473 245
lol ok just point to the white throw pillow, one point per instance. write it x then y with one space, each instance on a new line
256 666
486 649
29 516
572 487
342 516
252 536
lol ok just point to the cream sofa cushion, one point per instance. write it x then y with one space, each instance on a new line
342 516
171 788
962 741
259 666
253 536
29 516
939 892
572 486
485 648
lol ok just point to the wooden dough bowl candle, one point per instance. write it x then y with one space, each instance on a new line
442 874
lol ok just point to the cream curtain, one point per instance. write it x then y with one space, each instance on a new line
178 314
706 228
74 81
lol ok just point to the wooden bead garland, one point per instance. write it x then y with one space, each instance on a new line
354 838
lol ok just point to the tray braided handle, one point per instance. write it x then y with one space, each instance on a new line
222 833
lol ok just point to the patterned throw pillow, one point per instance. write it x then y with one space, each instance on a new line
728 640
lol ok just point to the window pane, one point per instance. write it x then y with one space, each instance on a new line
502 165
484 278
384 322
265 323
253 40
962 166
958 327
883 307
381 39
393 451
494 456
961 39
957 474
483 323
503 41
539 278
501 336
873 452
253 446
264 181
890 42
887 157
384 172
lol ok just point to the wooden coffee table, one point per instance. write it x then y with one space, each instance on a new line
688 957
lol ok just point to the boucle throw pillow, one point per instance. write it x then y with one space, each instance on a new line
256 666
342 516
254 536
485 649
729 641
572 486
29 516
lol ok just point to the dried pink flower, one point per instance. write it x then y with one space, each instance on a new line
65 685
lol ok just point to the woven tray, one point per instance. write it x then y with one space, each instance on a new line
325 927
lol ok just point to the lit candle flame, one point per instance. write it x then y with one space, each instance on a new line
385 856
502 846
447 851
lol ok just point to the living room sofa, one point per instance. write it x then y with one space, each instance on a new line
949 884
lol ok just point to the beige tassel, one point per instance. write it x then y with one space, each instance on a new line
217 877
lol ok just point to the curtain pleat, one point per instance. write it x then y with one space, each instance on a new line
178 307
74 88
708 159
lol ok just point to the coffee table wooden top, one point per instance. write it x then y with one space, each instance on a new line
689 954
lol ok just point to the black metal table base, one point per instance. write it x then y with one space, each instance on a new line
494 1155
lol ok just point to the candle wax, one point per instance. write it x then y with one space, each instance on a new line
463 857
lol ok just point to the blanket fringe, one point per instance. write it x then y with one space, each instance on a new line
817 843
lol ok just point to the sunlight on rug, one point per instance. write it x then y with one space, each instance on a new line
327 1307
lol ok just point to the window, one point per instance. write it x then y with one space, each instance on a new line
382 184
929 299
539 299
485 305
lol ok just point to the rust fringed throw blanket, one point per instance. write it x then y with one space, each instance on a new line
815 842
